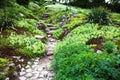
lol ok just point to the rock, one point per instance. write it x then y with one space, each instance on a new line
7 78
40 69
50 57
15 74
50 32
49 53
41 76
51 75
29 70
22 78
49 25
99 52
28 66
29 63
28 75
22 69
41 26
22 73
12 64
51 40
22 60
45 16
39 37
35 63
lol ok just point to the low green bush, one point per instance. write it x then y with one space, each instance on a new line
99 15
30 24
66 50
57 33
3 65
72 24
27 45
88 66
110 46
89 31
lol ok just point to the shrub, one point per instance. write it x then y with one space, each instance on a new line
3 65
110 46
57 33
6 23
27 45
88 66
99 15
30 25
66 50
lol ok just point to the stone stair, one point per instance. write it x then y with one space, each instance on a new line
40 68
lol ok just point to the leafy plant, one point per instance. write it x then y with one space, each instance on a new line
27 45
110 46
72 24
87 66
99 15
3 65
57 33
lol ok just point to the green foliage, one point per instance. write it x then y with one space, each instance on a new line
3 65
27 45
99 15
57 33
89 31
110 46
88 66
30 24
23 2
72 24
74 60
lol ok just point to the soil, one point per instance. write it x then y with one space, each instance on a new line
17 30
97 41
12 55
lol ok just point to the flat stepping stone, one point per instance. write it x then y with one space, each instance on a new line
53 28
39 37
51 40
50 31
49 25
49 53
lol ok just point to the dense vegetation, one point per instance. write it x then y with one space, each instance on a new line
90 38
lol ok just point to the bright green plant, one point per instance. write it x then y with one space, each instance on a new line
99 15
88 65
30 24
57 33
72 24
3 65
27 45
110 46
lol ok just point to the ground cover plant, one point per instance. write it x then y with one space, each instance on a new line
89 47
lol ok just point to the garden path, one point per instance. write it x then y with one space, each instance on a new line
40 68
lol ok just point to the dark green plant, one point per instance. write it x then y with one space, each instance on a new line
88 66
6 23
3 65
23 2
109 46
99 15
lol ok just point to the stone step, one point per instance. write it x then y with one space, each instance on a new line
50 32
49 25
42 38
45 15
53 28
51 43
51 39
50 52
50 47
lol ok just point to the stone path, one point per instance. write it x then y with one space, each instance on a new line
40 68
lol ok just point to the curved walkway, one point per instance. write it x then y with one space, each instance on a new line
40 68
